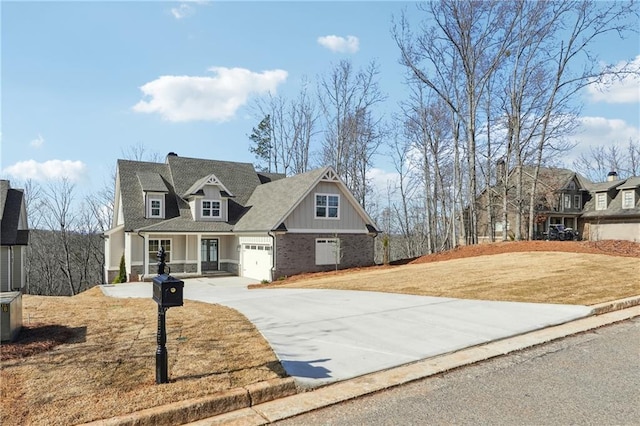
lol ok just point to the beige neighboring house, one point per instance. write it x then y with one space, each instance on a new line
14 236
613 211
212 216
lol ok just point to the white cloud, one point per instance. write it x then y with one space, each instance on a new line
182 11
618 91
37 142
49 170
217 98
599 131
335 43
383 181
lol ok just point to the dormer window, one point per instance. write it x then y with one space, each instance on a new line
601 201
155 206
211 209
628 199
327 206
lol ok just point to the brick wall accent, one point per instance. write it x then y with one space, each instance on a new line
296 253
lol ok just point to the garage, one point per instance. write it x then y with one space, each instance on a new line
256 261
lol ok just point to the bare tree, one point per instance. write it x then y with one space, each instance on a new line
599 160
352 134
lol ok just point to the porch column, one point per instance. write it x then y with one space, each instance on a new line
199 254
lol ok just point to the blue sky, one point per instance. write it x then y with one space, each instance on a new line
84 81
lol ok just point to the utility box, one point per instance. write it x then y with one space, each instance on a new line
167 291
11 315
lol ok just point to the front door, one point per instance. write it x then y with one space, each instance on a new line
209 254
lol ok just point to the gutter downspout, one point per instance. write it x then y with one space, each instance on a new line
273 253
144 258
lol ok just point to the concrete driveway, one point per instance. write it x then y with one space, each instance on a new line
323 336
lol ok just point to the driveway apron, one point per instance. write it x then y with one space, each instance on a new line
324 336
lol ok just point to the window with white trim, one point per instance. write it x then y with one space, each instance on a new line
576 201
327 206
328 251
155 206
601 201
567 201
154 247
211 209
628 199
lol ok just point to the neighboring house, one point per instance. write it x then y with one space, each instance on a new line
14 236
224 216
599 211
613 212
560 196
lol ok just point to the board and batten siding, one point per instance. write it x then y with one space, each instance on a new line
304 217
211 193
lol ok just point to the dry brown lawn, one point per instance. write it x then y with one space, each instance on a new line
90 357
107 365
544 277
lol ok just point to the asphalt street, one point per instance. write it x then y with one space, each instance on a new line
325 336
591 378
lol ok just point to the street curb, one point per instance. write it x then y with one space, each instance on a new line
615 305
191 410
291 406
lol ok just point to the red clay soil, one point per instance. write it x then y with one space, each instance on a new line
609 247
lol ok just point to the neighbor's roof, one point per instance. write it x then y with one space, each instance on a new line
11 207
614 207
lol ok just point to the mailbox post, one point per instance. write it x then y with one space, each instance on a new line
167 292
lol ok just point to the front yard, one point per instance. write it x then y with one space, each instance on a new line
105 364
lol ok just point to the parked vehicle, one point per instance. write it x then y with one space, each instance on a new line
561 233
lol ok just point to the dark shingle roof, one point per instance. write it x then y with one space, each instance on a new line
631 183
151 182
11 202
614 207
275 200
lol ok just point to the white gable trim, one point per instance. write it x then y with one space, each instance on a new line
210 180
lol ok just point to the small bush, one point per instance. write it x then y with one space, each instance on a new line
122 274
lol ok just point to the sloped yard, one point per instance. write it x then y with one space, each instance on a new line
579 273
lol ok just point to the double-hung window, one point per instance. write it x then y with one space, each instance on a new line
628 199
601 201
327 206
567 201
155 207
154 247
210 209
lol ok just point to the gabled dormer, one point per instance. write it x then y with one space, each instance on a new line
208 199
154 193
571 195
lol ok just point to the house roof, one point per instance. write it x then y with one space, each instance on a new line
151 182
270 202
614 207
11 207
261 201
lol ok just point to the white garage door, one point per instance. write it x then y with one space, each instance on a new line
256 261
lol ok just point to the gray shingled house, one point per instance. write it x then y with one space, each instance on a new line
613 211
212 216
14 236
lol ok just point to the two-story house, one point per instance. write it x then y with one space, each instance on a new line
212 216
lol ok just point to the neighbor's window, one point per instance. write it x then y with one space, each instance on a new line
576 201
601 201
210 208
328 251
628 199
567 201
154 247
327 206
154 206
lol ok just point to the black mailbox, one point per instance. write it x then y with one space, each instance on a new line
167 291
